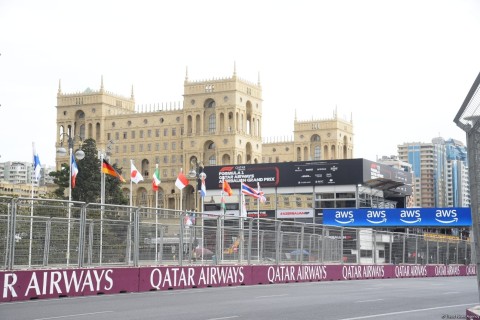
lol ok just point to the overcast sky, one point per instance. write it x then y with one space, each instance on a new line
401 68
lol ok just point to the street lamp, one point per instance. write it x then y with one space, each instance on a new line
197 172
79 154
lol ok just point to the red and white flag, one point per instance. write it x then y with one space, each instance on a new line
134 174
182 181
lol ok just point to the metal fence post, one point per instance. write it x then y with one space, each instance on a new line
359 255
81 236
342 239
219 241
249 249
428 254
457 252
390 248
13 222
46 249
302 232
438 252
136 237
180 239
278 240
160 251
416 248
447 254
322 255
7 243
90 243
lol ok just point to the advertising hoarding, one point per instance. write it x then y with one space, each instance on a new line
399 217
287 174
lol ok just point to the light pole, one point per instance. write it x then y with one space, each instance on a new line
197 173
79 154
200 176
103 154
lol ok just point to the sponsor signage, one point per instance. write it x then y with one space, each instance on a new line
400 217
261 213
287 174
55 283
294 213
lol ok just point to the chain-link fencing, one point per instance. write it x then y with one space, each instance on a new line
45 233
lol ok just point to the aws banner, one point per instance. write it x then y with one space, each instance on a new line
400 217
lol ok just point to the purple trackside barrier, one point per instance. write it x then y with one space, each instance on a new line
54 283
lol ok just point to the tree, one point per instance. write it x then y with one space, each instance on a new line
61 179
88 182
87 186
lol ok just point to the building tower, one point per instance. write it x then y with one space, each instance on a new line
440 170
84 115
222 121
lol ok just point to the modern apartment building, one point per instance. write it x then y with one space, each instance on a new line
17 172
219 122
440 172
16 179
458 187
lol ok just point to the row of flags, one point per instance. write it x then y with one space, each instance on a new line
136 177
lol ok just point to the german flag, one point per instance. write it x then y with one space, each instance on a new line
108 169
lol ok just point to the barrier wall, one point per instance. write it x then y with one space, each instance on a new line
51 283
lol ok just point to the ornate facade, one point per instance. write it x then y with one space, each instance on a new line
220 122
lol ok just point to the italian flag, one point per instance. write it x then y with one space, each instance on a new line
156 179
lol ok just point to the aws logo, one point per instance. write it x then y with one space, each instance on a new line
344 216
410 216
376 216
446 216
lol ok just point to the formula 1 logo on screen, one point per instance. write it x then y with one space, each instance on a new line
344 216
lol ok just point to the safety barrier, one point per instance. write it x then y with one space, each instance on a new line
46 233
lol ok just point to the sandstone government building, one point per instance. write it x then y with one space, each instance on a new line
219 123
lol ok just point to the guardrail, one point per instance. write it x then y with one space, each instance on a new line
46 233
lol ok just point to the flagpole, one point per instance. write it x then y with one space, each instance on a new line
202 226
258 220
131 186
222 233
31 230
242 209
258 226
129 249
31 212
156 218
70 148
102 201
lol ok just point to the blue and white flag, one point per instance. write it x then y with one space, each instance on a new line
203 189
36 163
